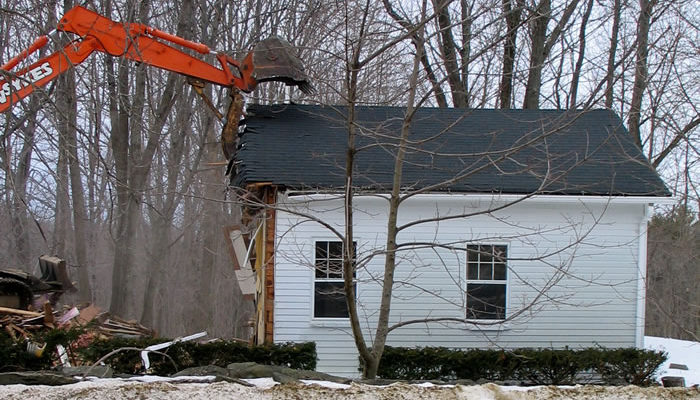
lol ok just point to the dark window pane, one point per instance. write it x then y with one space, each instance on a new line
321 269
485 272
485 254
472 253
501 253
335 269
486 301
499 271
335 250
473 271
329 300
321 250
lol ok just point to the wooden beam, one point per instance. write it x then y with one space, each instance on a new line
5 310
269 288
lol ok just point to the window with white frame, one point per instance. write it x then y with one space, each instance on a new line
486 281
329 294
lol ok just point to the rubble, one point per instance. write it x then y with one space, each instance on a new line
25 323
30 329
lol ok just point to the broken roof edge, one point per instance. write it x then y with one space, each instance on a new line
506 197
378 190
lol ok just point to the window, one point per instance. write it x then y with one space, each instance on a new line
486 281
329 295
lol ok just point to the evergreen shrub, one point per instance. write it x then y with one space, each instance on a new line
191 354
14 357
526 366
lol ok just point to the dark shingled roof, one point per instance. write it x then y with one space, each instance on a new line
457 150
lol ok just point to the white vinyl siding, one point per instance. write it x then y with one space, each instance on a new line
583 256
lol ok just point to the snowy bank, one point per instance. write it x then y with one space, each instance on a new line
680 352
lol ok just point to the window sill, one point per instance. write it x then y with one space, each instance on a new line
331 323
496 327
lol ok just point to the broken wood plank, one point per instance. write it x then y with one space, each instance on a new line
11 331
49 320
16 311
88 313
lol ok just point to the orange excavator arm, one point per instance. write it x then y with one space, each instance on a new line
148 45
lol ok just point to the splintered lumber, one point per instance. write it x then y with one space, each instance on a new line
10 331
48 315
6 310
117 326
88 314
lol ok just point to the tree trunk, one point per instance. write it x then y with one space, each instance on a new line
62 221
541 45
419 44
538 35
17 189
210 233
449 54
68 110
610 74
465 51
579 60
640 69
512 17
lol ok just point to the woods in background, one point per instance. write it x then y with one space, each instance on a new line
117 166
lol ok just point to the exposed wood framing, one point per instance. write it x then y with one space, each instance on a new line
243 273
269 197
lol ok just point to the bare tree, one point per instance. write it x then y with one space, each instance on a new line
673 303
612 53
542 42
512 14
133 159
640 69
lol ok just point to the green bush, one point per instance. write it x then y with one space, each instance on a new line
190 354
531 366
549 367
633 366
14 355
492 365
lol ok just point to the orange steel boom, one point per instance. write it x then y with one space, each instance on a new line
144 44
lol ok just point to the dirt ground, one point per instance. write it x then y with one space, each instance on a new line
113 389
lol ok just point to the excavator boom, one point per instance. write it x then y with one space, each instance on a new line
151 46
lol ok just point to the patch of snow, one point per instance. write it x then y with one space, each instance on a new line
326 384
262 383
679 352
430 384
175 379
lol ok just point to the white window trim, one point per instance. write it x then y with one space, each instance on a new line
498 324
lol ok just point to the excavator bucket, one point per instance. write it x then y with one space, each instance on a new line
274 59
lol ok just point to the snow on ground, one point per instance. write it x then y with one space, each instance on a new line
115 389
679 352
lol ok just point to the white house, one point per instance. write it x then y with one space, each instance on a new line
526 228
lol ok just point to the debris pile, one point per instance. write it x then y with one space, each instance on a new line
23 323
31 327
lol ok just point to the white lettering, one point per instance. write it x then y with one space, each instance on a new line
17 83
35 74
47 69
4 92
32 76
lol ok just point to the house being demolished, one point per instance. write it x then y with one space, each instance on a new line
524 228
